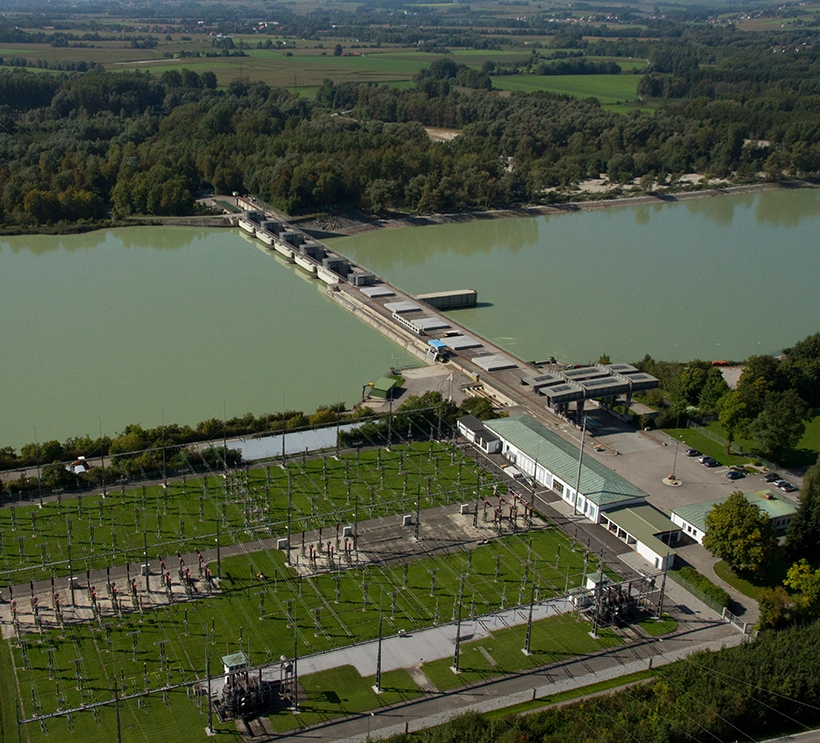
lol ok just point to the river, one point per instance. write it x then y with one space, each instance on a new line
182 324
179 324
714 278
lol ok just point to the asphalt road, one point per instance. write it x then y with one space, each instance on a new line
695 633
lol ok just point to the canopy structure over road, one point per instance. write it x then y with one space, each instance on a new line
591 382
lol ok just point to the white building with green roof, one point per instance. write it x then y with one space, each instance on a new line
692 519
553 462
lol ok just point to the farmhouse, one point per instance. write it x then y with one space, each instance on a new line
692 519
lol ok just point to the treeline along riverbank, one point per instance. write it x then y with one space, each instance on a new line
76 147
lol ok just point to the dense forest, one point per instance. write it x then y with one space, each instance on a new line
750 692
79 146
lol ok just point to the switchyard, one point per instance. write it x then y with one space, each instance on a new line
277 563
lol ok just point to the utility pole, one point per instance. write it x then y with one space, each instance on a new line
102 460
37 461
70 576
290 506
580 460
164 471
418 508
477 496
295 669
457 650
117 708
378 687
663 588
390 423
210 706
528 637
218 551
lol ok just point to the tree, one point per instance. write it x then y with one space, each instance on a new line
759 376
739 533
803 532
780 424
337 50
480 407
775 608
712 391
806 582
734 417
692 379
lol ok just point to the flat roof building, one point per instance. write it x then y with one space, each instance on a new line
472 429
646 530
384 388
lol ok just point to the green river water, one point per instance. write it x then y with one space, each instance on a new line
182 324
713 278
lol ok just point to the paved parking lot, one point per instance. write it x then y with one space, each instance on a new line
647 458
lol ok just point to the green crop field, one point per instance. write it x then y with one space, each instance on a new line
606 88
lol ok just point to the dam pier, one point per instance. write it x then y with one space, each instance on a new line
418 324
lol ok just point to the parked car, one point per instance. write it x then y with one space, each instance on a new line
786 486
708 461
692 453
771 477
735 475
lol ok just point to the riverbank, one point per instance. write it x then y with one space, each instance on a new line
345 225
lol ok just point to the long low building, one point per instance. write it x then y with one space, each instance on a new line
692 519
472 429
553 462
602 496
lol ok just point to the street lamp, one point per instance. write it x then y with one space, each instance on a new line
672 477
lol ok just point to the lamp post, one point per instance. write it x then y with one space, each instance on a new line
673 478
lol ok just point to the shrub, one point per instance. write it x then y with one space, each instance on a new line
702 583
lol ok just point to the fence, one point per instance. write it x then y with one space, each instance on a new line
745 627
696 592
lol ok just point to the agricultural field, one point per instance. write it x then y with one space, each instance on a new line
608 89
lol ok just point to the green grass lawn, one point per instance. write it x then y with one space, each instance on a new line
752 585
658 627
806 451
564 696
553 639
692 438
606 88
342 691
